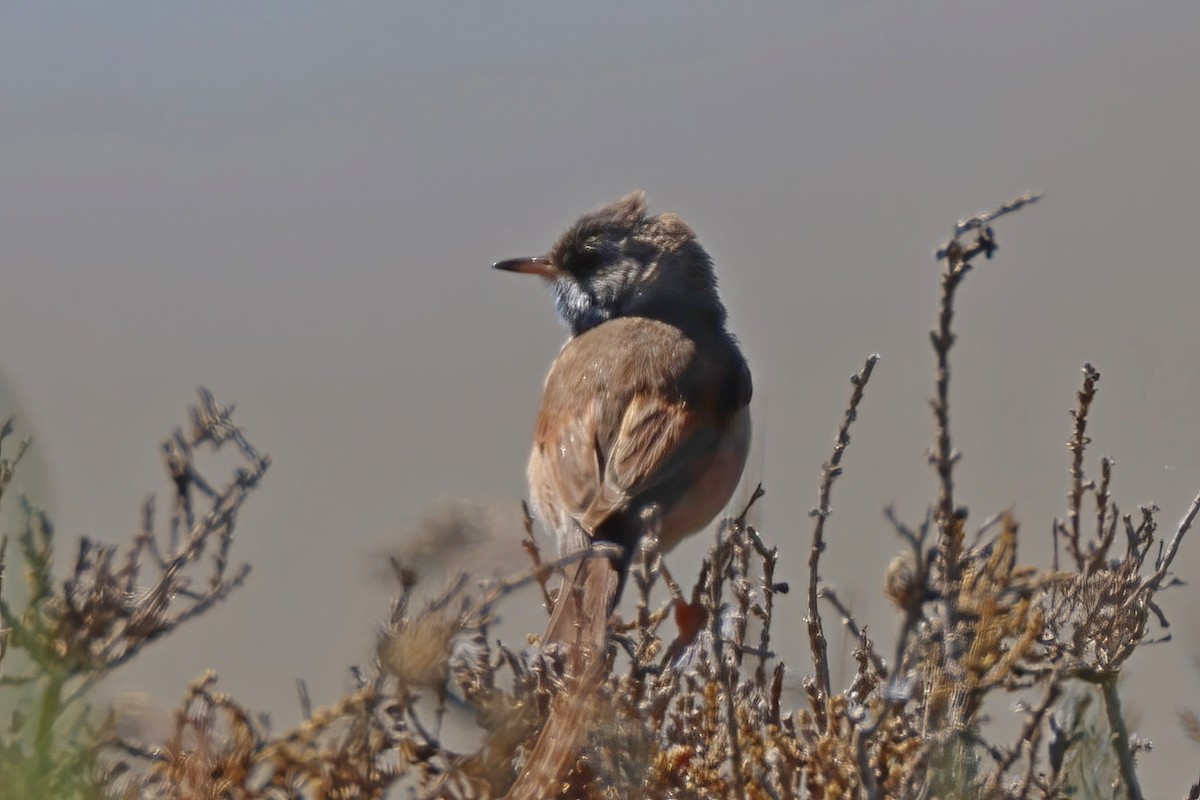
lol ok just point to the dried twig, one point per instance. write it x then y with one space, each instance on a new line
1078 443
829 472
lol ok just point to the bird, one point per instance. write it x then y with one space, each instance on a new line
643 430
644 425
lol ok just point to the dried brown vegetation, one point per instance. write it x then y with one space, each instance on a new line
111 605
699 715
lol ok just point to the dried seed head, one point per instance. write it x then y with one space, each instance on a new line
417 649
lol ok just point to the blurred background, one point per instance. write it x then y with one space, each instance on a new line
297 204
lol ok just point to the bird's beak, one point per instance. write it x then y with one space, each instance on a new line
537 265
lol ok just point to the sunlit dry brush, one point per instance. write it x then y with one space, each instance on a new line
112 603
707 720
689 700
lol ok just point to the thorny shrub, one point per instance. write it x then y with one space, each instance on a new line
699 716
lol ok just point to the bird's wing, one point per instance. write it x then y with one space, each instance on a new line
624 412
658 436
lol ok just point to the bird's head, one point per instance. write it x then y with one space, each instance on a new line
617 261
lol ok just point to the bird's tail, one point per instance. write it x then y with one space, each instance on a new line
589 593
579 621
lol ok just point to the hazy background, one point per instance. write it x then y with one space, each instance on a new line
296 204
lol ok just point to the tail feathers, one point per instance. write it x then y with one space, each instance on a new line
580 621
560 742
588 595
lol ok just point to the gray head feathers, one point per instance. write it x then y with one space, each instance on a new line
619 261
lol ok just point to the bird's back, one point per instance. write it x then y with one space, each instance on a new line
631 407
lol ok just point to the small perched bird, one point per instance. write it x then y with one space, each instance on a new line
644 424
645 413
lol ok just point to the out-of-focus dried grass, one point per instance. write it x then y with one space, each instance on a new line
700 714
112 604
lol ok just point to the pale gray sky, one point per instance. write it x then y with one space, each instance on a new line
296 204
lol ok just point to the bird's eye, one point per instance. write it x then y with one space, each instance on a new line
586 257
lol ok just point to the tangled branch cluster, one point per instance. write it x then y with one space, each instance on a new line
112 604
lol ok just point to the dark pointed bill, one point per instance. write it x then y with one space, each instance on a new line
537 265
